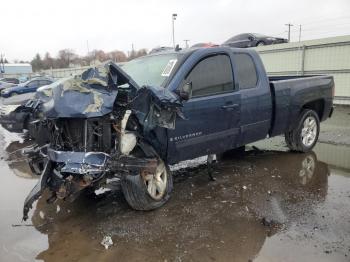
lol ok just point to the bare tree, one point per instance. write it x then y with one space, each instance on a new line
37 63
117 56
66 56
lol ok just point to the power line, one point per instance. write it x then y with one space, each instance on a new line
327 20
327 26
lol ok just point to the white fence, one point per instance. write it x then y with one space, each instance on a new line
329 56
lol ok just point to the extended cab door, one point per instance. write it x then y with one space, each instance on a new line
256 101
213 112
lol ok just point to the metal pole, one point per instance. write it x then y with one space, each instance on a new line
299 33
2 66
88 51
303 60
186 43
173 24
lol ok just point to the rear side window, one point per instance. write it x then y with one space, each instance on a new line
44 82
246 72
33 84
213 75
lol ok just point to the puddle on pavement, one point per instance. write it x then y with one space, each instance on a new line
263 206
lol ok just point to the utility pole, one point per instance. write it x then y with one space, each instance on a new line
2 67
88 50
299 33
289 25
173 18
186 43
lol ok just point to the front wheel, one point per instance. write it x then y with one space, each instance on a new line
146 191
304 135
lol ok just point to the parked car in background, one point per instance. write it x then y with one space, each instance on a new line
27 87
161 49
15 112
4 85
201 45
12 80
252 40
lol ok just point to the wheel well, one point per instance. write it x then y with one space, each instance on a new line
317 106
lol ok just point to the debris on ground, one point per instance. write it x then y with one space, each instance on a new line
107 242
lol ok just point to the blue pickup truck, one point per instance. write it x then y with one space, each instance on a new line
132 122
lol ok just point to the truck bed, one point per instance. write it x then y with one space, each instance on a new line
289 92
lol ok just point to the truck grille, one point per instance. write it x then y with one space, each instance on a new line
81 135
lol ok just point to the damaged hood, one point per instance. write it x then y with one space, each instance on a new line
94 94
90 95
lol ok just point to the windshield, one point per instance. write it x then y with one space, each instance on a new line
25 83
259 35
151 70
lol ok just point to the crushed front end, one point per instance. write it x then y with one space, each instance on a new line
96 127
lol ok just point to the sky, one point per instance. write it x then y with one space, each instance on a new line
38 26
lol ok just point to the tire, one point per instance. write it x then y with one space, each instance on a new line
13 94
136 189
303 137
261 43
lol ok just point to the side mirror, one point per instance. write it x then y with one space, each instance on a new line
186 91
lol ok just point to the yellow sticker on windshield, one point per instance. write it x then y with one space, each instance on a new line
169 67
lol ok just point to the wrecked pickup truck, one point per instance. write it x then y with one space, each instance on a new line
130 123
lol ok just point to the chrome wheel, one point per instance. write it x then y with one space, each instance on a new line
309 131
307 170
156 183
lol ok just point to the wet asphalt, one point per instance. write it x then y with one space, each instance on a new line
266 204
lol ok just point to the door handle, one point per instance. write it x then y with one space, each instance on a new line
230 106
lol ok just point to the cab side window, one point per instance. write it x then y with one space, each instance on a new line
247 76
212 75
44 82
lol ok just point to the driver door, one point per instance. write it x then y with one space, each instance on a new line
212 114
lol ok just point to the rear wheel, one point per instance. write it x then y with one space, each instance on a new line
146 191
304 135
260 43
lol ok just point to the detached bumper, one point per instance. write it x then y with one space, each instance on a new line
36 192
97 162
83 168
80 162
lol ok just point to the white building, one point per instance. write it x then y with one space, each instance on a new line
16 69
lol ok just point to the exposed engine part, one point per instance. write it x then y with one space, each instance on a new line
127 140
80 135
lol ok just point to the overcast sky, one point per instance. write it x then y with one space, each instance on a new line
36 26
